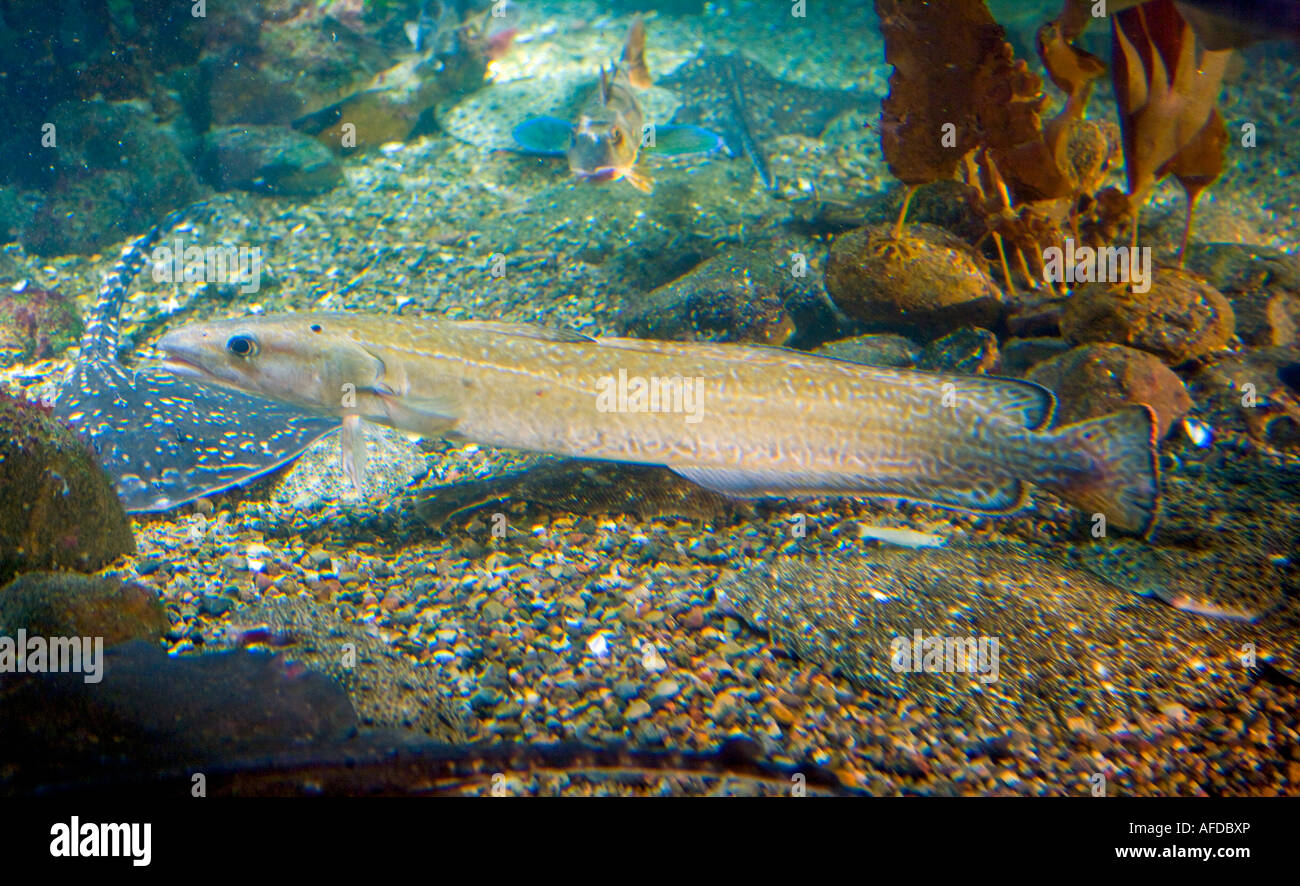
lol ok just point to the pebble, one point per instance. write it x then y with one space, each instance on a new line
665 690
636 710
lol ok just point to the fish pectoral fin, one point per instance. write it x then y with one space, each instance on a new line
673 140
430 417
354 451
991 498
547 136
639 180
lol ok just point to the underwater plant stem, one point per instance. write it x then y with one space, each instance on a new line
1006 270
902 213
1024 266
1187 227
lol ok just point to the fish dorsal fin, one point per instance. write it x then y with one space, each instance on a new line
605 79
527 330
633 60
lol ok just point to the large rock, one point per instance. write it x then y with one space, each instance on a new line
1263 286
58 510
926 283
1094 380
738 295
269 160
36 324
116 172
65 604
873 349
1181 317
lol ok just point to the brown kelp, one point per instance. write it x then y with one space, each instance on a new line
1167 87
961 105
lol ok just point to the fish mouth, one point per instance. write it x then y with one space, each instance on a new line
603 174
176 361
184 368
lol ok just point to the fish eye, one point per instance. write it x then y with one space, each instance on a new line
242 345
615 135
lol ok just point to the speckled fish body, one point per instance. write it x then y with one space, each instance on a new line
747 421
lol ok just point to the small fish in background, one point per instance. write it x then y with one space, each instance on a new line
443 32
605 141
451 54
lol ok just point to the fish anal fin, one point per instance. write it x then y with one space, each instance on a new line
1001 498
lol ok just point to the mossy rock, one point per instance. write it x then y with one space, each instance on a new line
1093 380
1181 317
269 160
925 283
65 604
738 295
116 173
35 324
59 510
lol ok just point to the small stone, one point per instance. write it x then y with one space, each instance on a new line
781 713
486 699
971 351
494 611
738 295
636 710
665 690
1019 355
881 349
213 605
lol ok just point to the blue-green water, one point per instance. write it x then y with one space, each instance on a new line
528 621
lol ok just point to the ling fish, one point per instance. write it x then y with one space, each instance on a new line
745 421
605 141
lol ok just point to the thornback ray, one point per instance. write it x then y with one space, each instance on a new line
166 441
737 98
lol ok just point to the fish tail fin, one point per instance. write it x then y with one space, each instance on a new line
633 60
1123 480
